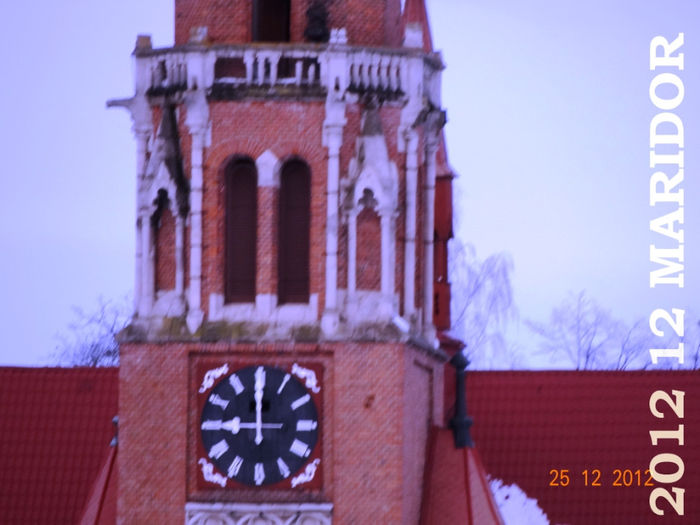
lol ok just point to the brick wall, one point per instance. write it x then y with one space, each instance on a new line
378 401
227 21
249 128
165 251
368 22
369 249
289 128
152 434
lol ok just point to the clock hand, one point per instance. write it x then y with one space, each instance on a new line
234 426
259 385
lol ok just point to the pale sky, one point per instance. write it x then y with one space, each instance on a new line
548 111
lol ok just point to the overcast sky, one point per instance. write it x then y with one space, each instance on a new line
548 110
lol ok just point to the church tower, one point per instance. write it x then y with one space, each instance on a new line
284 362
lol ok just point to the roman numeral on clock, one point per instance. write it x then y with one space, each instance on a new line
259 473
301 401
235 382
217 400
299 448
284 469
284 382
210 424
235 466
305 425
218 449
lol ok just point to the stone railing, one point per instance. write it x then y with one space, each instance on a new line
293 69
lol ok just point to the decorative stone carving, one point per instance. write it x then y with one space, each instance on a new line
211 376
258 514
268 166
372 183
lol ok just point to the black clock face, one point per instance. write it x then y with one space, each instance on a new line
259 425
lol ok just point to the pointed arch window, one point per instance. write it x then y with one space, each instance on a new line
271 20
294 224
241 182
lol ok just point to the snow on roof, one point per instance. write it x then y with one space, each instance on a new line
529 427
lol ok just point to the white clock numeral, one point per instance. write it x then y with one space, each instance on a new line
259 473
300 448
301 401
284 469
235 382
305 425
284 382
235 466
218 450
217 400
213 424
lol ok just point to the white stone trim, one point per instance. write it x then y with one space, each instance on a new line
258 513
413 36
199 126
333 140
268 166
163 303
431 146
265 309
369 306
147 266
371 169
409 284
168 303
179 256
352 251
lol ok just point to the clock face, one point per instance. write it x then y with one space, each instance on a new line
259 425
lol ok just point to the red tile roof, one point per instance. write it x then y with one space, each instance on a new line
456 489
56 428
527 424
101 506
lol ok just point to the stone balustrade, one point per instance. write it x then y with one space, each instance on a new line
280 69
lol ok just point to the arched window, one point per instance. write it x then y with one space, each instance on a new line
294 224
271 20
241 183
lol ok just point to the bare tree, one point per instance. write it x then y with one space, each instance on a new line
580 331
589 337
693 344
690 340
91 338
483 305
633 346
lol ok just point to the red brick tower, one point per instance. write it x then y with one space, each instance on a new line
283 359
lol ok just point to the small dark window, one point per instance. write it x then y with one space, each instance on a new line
241 182
229 68
294 224
271 20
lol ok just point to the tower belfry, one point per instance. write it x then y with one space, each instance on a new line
291 265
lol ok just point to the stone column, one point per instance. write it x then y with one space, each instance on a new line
142 134
142 127
336 71
409 283
179 256
352 251
386 255
197 122
147 263
434 122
